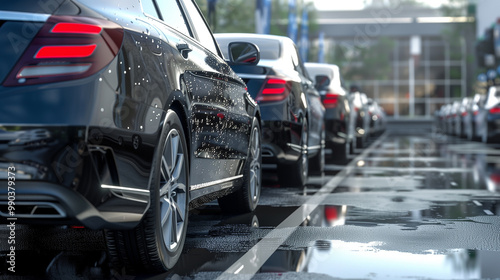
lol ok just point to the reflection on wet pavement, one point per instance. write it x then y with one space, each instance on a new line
364 260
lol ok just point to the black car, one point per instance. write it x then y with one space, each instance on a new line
122 116
292 113
359 103
339 117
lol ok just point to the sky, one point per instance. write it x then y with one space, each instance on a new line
358 4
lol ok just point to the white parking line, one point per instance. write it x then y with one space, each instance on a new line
477 203
488 212
417 169
252 261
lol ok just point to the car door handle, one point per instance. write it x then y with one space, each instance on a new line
184 49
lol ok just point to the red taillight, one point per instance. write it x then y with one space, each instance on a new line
476 113
495 178
76 28
330 100
274 89
65 51
67 48
331 213
464 114
495 110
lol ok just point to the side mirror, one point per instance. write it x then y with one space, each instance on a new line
243 53
322 82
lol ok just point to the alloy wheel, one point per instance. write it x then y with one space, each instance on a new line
173 191
255 165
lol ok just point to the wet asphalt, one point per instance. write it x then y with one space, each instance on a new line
415 204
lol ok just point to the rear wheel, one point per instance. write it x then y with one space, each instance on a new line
246 198
157 242
295 174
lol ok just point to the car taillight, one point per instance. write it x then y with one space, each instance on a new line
67 48
464 114
495 110
330 100
274 89
495 178
331 213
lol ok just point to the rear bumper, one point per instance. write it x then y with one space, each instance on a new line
494 128
75 175
281 142
47 203
336 132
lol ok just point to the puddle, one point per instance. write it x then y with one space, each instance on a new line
365 260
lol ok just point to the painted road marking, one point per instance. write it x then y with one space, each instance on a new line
250 263
477 203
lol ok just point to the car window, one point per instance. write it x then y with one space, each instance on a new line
295 58
269 48
172 15
204 34
148 7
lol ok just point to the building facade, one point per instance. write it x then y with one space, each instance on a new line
431 58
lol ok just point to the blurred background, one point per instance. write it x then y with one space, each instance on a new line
411 56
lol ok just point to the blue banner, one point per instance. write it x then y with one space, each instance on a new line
304 34
292 21
263 17
321 51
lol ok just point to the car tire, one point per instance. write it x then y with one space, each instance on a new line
317 163
360 142
295 174
246 198
485 137
341 152
156 243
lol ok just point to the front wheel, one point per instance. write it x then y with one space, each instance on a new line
156 243
246 198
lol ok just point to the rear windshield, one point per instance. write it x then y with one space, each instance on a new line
31 6
269 48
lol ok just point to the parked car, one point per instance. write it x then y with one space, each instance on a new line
468 115
292 113
461 118
488 118
123 121
476 104
453 118
339 116
359 102
377 118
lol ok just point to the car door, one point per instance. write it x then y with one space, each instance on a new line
316 110
214 97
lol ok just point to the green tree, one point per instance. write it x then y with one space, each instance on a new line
364 62
232 15
239 16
